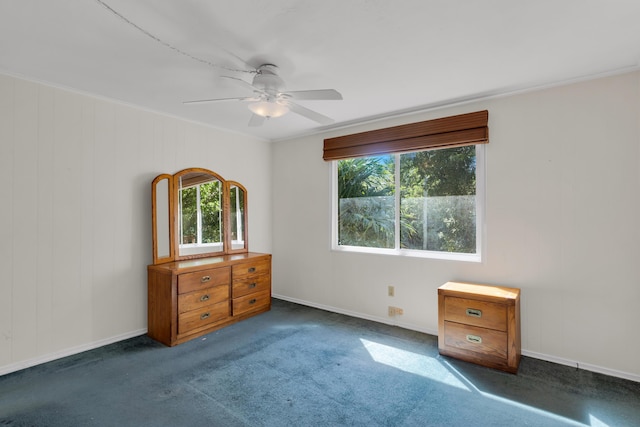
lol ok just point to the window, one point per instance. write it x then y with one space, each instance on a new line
415 189
434 194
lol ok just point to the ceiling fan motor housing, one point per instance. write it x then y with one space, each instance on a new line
268 80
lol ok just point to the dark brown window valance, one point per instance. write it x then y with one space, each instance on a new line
446 132
195 178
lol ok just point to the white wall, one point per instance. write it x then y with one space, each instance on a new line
562 212
75 216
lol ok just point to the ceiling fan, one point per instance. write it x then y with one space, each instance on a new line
271 100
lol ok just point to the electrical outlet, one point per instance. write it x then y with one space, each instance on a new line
393 311
392 291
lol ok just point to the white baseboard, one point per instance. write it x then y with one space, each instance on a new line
580 365
68 352
535 355
385 320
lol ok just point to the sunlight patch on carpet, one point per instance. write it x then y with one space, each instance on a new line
413 363
595 422
542 412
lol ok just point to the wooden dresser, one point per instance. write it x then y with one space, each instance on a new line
480 324
190 298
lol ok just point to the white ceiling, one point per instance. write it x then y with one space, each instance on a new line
385 57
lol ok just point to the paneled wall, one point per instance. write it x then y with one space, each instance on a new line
562 209
563 198
75 216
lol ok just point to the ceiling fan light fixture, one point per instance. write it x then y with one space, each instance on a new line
268 109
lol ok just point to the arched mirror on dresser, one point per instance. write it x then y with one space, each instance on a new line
203 276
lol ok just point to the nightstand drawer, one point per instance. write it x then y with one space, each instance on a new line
188 282
476 313
485 342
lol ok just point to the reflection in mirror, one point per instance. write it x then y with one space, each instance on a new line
237 212
200 214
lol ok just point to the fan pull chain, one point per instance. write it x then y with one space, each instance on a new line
175 49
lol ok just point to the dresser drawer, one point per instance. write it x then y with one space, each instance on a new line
249 285
252 269
487 343
188 282
477 313
251 302
198 299
203 316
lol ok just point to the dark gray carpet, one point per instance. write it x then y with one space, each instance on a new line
298 366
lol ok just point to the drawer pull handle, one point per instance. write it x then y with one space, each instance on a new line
253 301
473 312
252 270
252 285
205 279
204 298
474 339
204 316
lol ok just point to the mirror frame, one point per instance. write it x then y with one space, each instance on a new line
173 214
155 209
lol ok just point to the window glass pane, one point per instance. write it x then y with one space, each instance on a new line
189 211
211 207
437 200
366 202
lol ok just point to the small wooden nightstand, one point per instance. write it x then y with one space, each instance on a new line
480 324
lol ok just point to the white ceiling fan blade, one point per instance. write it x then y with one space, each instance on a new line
204 101
309 114
256 120
319 95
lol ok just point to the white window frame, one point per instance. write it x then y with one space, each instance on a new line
453 256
